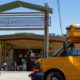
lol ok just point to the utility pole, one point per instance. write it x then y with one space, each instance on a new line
59 13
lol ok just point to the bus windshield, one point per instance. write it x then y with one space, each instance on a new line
70 51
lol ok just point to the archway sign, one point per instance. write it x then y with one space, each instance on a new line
26 20
22 21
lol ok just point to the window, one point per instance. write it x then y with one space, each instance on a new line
71 51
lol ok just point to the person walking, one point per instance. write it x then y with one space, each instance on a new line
32 56
24 64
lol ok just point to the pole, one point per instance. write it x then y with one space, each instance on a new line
59 13
46 35
4 50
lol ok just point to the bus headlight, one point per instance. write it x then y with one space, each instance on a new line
36 67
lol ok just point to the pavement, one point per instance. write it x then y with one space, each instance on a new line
14 75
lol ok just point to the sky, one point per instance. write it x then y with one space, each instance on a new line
69 9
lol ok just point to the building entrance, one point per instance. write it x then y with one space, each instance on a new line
29 56
21 59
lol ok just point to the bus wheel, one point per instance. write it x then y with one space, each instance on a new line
55 75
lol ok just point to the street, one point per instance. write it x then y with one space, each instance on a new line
14 75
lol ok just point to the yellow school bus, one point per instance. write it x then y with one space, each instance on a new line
64 64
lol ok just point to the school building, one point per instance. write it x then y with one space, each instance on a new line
12 46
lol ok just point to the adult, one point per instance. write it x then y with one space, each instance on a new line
24 64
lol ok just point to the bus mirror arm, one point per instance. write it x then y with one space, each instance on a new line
65 47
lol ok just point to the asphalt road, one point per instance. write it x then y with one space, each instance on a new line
13 75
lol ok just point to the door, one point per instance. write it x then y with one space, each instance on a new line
77 65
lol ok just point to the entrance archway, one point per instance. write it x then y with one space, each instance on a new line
20 21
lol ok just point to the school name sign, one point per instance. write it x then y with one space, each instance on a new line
22 21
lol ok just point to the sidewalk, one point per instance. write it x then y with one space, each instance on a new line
14 75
